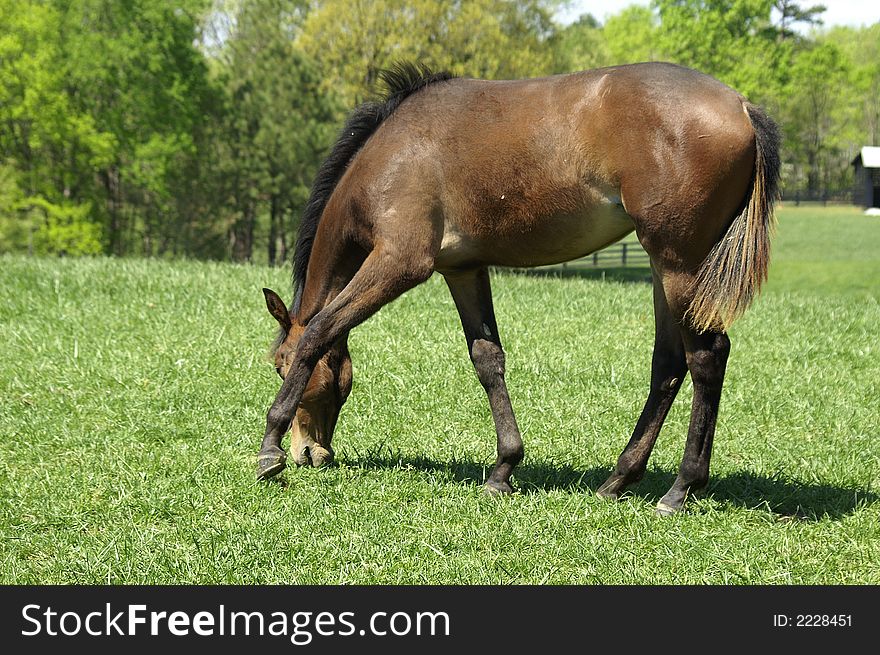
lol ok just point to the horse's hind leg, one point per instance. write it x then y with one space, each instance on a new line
473 298
707 361
706 356
668 368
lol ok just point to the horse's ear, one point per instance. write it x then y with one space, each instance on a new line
278 309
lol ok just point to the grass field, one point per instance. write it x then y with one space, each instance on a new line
134 395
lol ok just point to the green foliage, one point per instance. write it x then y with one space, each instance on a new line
55 146
40 226
136 71
790 12
278 123
726 38
63 229
195 128
13 230
860 50
631 36
100 107
812 103
580 46
497 39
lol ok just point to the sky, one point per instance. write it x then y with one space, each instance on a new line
838 12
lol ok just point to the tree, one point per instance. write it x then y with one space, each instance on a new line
630 36
813 98
728 39
15 232
194 128
861 47
50 149
279 122
352 40
101 110
790 12
134 69
580 46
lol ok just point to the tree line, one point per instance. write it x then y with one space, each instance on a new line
194 127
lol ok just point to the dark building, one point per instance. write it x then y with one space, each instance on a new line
867 188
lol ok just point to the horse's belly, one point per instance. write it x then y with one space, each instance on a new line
548 240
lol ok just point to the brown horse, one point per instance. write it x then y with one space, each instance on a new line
455 175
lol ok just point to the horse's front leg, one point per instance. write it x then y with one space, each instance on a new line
381 279
473 298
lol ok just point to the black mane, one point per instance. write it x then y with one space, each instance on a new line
402 80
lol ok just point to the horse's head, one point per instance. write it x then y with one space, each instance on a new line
328 388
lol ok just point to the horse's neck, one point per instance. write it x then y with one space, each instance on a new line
333 261
318 292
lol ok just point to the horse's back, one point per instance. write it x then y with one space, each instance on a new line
666 123
537 171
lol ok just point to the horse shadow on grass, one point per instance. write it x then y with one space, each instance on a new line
784 497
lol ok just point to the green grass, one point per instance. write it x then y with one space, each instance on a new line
827 252
134 395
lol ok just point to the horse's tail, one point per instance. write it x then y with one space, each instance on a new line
732 274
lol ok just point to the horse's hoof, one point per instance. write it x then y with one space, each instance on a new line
604 494
610 489
492 488
270 462
666 510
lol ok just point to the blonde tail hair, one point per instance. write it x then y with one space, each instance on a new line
731 275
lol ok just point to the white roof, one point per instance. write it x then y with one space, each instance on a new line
871 156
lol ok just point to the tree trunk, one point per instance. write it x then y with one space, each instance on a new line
282 239
241 235
273 230
111 184
812 173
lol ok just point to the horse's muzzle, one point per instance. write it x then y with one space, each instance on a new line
313 455
304 447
